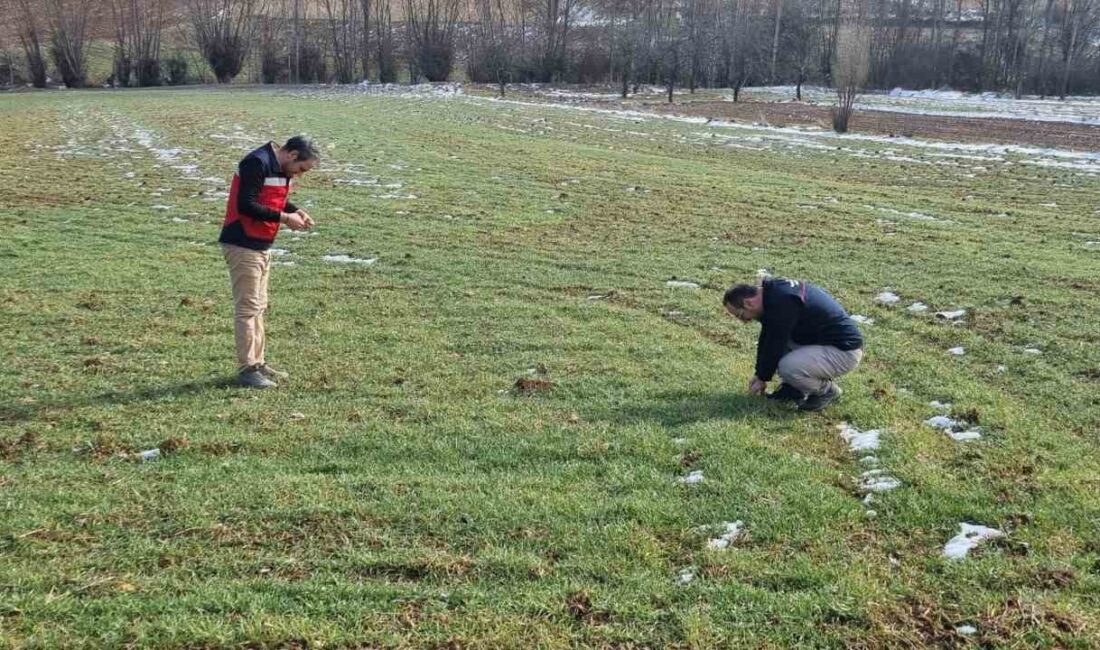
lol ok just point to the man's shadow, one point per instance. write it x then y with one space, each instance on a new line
24 412
679 408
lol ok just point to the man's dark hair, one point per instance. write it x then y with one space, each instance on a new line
303 146
738 294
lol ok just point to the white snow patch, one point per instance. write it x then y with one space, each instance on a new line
951 315
733 530
863 320
887 298
692 478
877 481
347 259
958 352
965 436
917 307
1032 351
859 440
966 630
969 537
356 182
682 284
942 422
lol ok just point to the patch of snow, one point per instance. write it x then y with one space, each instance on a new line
969 537
887 298
356 182
733 530
942 422
940 406
878 482
951 315
347 259
863 320
859 440
958 352
965 436
682 284
917 307
692 478
966 630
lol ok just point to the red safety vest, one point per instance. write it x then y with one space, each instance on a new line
273 195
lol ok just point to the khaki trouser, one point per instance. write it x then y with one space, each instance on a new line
248 273
811 369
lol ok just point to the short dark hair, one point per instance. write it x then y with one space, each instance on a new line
738 294
303 146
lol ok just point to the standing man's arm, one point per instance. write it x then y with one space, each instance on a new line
251 172
774 338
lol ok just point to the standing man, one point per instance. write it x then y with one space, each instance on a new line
805 335
257 206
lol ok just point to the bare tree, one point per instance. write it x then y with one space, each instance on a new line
554 26
364 41
223 30
853 62
431 28
275 60
1078 22
69 22
798 44
740 44
138 27
493 50
344 31
387 61
31 38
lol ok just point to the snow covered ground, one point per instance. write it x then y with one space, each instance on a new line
948 103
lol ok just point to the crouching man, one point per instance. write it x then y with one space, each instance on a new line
805 336
257 206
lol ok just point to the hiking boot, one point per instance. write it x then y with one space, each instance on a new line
251 377
821 400
271 373
786 393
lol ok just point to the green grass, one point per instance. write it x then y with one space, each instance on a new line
421 501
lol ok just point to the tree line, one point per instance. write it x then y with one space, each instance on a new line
1044 47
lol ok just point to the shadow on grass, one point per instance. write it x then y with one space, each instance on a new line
683 407
21 412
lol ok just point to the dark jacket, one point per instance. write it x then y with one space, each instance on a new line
804 314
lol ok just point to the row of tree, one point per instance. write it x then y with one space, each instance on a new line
1022 46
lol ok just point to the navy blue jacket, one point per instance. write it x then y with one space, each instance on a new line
801 313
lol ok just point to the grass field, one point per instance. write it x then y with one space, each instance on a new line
401 492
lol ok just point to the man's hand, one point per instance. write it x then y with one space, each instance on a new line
305 216
295 221
757 386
